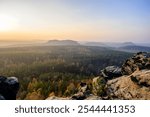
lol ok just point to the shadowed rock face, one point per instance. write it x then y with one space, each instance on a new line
9 87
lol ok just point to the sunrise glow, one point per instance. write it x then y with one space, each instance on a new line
81 20
7 22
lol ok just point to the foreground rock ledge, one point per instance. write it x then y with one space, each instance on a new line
9 87
132 87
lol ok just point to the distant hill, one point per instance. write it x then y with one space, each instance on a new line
62 42
117 44
144 44
124 46
95 44
109 44
127 44
134 48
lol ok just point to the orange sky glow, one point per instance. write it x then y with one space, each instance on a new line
86 20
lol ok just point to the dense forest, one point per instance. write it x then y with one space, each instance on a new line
55 70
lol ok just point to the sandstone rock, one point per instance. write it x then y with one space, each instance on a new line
90 97
141 79
9 87
138 62
111 72
126 88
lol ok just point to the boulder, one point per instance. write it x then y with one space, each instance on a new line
9 87
111 72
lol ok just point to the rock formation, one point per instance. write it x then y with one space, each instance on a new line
137 62
111 72
134 86
9 87
134 82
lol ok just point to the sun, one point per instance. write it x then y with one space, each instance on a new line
7 22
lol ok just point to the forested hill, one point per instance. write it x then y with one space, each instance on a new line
62 42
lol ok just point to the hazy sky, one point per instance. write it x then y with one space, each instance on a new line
81 20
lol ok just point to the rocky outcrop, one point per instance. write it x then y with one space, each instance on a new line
138 62
9 87
134 86
111 72
141 78
133 81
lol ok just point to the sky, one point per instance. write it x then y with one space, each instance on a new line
80 20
